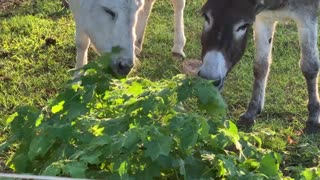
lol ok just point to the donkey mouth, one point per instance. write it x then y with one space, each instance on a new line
219 84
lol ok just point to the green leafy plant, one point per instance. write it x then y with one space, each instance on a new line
101 127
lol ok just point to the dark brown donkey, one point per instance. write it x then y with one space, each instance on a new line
224 40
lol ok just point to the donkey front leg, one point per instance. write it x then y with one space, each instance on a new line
82 45
263 44
179 37
309 65
141 24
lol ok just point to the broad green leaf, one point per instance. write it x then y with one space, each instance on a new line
184 91
27 116
92 157
222 171
159 145
100 141
97 130
135 89
61 131
251 164
153 150
151 171
186 131
19 163
204 127
259 140
308 174
89 94
182 167
196 169
57 108
131 139
204 94
75 169
76 109
39 120
123 168
228 166
12 117
52 170
232 133
39 146
270 164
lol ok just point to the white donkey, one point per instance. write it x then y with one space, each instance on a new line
105 24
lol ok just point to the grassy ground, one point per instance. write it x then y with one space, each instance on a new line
37 50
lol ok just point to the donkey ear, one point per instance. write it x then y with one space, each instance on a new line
139 2
275 4
259 5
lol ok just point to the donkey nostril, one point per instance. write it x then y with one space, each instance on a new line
217 82
124 68
121 66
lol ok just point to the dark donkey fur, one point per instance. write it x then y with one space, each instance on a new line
224 40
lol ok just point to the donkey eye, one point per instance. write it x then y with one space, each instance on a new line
243 27
110 12
206 17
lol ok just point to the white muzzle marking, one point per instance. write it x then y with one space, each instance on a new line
214 66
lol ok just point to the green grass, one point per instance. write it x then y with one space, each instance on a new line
33 71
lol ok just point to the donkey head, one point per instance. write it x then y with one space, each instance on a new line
225 33
111 23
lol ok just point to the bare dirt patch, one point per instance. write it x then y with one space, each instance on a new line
8 4
191 67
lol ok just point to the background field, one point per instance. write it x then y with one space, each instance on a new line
37 50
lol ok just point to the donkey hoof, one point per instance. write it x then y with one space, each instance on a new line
245 121
65 4
137 51
178 56
311 128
